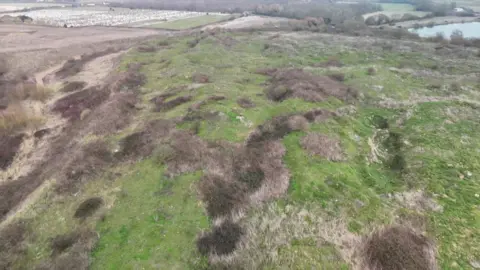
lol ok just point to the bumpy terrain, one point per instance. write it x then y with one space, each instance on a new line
251 150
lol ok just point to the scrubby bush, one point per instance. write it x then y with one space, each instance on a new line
371 71
457 38
337 76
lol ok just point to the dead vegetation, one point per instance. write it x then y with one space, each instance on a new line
146 49
321 145
371 71
337 76
84 163
113 115
296 83
88 207
200 78
198 105
11 243
245 103
162 106
130 80
71 106
222 240
74 66
9 145
277 128
398 248
72 86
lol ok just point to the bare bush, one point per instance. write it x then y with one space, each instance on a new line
72 86
200 78
457 38
88 207
321 145
371 71
296 83
337 76
15 118
245 102
72 105
222 240
398 247
277 128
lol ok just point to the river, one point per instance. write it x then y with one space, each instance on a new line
469 30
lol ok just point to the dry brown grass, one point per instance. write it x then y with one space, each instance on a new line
28 90
296 83
321 145
15 118
398 248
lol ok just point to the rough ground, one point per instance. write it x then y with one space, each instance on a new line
162 151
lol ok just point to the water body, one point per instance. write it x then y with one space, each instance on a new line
469 30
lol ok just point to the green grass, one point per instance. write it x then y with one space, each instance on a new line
152 222
190 22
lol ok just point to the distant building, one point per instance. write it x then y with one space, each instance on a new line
459 9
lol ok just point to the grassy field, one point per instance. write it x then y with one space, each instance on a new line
191 22
407 135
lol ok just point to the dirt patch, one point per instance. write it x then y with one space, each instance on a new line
88 207
162 106
71 106
296 83
222 240
10 146
72 86
398 247
113 115
11 243
245 103
321 145
200 78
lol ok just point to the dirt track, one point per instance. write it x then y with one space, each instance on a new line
30 48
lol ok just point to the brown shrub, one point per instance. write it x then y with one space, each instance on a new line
88 207
324 146
318 115
188 155
455 87
222 240
337 76
72 86
61 243
113 115
9 145
162 106
141 143
11 239
85 163
221 195
200 78
332 62
295 83
277 128
72 105
398 247
146 49
216 98
74 66
130 80
245 102
371 71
